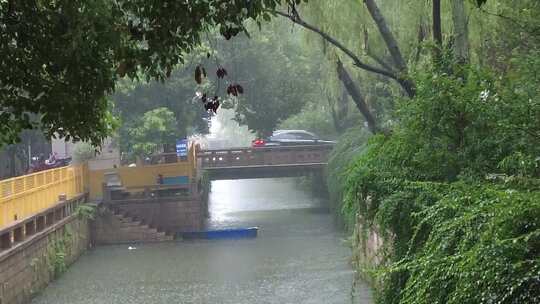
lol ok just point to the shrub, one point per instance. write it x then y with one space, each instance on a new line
455 190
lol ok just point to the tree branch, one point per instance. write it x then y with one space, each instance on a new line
437 31
387 35
461 31
421 37
392 46
372 55
512 20
357 97
379 60
357 62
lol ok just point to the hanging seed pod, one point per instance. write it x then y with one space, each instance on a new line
221 72
215 106
232 90
198 74
240 89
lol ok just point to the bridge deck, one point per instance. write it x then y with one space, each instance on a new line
238 163
290 166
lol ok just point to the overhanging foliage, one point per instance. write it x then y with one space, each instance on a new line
60 59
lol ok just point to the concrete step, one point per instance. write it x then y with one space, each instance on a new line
140 231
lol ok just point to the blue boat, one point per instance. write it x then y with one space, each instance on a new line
233 233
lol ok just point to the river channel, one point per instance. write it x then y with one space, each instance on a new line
299 257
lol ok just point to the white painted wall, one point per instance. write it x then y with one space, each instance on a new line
107 158
61 147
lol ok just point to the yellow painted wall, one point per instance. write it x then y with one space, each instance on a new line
24 196
143 175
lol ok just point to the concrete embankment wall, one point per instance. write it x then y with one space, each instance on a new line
169 216
367 248
110 228
29 266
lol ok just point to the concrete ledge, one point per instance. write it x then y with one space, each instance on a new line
33 238
19 232
29 266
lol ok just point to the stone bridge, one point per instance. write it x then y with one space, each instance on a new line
263 162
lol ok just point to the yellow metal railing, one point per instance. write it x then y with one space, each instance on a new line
23 196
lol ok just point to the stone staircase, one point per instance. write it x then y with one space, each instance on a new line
117 227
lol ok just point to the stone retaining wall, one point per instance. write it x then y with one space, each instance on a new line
110 228
169 216
28 267
367 248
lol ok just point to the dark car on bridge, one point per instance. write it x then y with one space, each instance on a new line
290 138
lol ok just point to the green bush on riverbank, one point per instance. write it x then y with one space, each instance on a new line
454 189
349 146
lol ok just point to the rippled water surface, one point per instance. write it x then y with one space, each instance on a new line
298 257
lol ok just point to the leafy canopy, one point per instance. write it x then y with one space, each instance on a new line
457 234
156 128
60 59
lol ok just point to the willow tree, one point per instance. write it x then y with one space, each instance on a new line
393 63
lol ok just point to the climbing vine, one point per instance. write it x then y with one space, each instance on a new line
454 190
86 211
58 250
349 146
57 258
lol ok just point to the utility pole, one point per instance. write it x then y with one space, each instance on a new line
29 156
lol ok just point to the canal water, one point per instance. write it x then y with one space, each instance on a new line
299 257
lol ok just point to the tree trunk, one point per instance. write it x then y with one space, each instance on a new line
343 108
393 47
357 97
437 31
387 35
401 76
335 119
340 114
461 31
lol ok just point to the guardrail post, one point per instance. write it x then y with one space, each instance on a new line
5 240
18 234
49 219
58 215
40 223
30 228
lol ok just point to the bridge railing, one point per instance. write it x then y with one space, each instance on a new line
264 156
24 196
